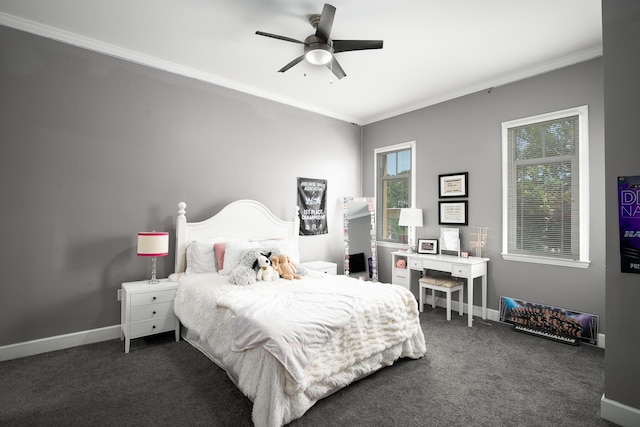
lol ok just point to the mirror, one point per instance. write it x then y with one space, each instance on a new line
450 241
360 257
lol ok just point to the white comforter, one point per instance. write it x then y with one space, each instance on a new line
292 321
370 326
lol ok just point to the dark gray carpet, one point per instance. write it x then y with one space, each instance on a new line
487 375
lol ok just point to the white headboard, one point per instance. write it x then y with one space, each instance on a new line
242 219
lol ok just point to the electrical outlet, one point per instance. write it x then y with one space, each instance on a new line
119 294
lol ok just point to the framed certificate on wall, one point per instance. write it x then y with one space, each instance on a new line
453 213
453 185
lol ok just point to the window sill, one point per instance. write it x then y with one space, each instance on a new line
548 261
387 244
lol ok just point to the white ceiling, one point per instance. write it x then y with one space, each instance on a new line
434 50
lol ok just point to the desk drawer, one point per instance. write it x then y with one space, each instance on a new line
415 264
401 273
151 311
430 264
401 277
152 297
461 270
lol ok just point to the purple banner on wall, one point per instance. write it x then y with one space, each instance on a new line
312 200
629 217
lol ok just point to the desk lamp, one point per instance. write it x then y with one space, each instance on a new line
411 218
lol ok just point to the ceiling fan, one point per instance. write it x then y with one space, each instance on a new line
319 48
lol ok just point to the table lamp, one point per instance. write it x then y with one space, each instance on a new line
153 244
410 217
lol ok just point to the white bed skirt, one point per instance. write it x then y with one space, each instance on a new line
272 406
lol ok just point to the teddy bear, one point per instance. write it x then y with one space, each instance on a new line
285 268
266 272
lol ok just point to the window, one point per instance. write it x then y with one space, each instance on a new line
395 189
546 189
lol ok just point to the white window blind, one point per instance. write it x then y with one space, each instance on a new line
543 186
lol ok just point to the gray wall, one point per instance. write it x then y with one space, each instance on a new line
94 149
621 36
464 135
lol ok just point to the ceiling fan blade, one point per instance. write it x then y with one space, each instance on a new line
326 22
275 36
336 68
347 45
291 64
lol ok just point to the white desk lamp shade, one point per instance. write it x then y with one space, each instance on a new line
153 244
411 218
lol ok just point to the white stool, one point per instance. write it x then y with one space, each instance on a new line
447 285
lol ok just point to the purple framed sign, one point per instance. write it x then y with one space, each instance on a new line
629 218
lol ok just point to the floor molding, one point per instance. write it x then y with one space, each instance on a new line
59 342
616 412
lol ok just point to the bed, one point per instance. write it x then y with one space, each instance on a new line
336 329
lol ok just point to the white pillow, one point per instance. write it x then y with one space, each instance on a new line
233 254
285 246
200 257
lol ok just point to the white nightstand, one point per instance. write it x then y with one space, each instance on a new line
321 266
148 309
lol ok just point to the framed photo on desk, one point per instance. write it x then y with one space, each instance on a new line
427 246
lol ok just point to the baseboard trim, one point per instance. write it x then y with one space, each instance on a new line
618 413
59 342
493 315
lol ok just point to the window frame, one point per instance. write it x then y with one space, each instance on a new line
583 192
410 145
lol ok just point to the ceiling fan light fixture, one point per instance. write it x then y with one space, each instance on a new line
318 56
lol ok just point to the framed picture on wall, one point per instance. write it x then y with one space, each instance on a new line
453 185
427 246
453 213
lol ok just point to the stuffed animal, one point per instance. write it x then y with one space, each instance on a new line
401 263
285 268
266 272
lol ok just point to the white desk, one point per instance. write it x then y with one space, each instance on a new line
465 268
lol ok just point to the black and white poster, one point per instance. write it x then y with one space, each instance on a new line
312 201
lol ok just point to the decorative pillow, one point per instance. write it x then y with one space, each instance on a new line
200 258
285 246
218 249
243 276
233 253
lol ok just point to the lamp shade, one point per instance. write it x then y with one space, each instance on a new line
410 217
153 243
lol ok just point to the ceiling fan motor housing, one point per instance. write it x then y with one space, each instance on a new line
317 51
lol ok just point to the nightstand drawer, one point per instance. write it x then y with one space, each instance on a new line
153 326
151 311
461 270
321 267
153 297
